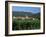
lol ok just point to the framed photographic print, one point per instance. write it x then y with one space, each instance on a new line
24 18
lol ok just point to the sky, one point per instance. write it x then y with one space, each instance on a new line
26 9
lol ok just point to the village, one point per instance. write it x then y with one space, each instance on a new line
25 17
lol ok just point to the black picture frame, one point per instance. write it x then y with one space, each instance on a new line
6 18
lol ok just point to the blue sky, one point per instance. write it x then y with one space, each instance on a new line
26 9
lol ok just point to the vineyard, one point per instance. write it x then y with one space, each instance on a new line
26 24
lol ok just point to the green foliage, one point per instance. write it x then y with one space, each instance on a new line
26 24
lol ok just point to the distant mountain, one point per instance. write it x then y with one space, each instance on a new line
21 13
16 13
37 15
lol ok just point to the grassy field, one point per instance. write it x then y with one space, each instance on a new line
26 24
